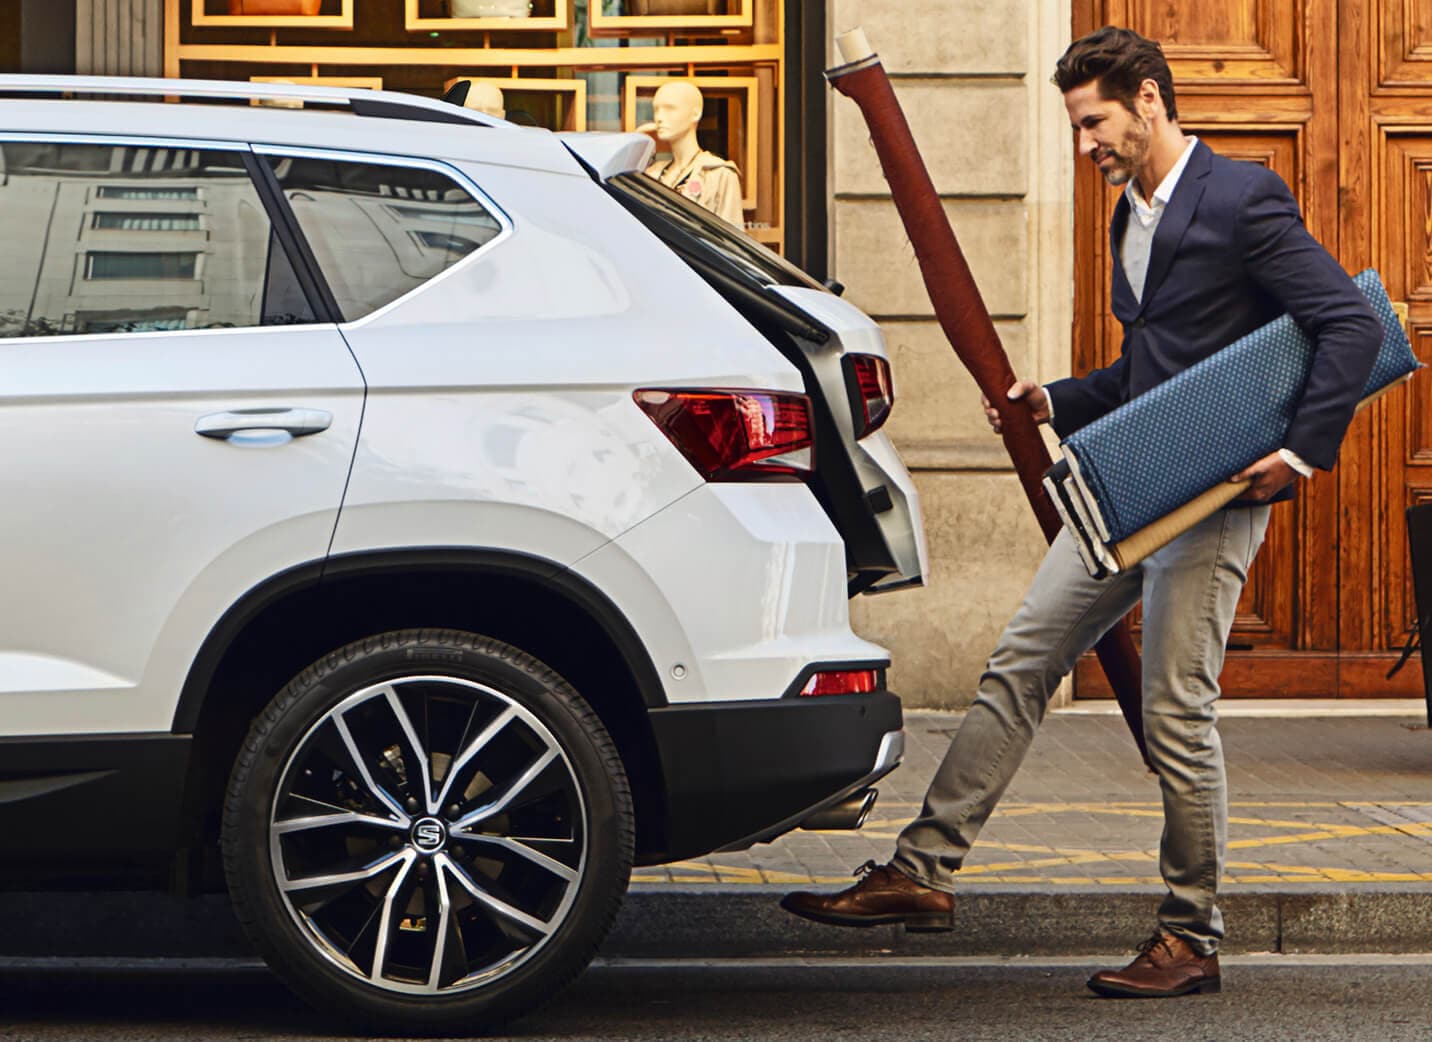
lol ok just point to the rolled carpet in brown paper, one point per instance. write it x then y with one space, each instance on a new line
966 322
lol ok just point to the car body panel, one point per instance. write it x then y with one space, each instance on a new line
137 533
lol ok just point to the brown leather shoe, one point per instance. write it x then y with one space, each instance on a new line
1167 965
884 895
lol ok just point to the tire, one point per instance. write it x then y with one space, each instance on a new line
431 901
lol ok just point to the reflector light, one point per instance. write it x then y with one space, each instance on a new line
874 389
736 435
842 682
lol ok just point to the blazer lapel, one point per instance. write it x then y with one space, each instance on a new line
1175 220
1125 304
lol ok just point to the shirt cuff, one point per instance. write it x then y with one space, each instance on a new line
1050 399
1295 461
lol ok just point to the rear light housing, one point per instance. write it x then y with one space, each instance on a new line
841 682
871 389
736 435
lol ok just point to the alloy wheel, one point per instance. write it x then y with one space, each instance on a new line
428 835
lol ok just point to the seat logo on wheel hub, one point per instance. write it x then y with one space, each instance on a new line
429 835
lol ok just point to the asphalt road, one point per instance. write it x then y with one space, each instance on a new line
1264 998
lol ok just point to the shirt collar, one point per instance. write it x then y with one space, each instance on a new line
1164 192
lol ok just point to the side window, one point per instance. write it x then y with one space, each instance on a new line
128 238
378 231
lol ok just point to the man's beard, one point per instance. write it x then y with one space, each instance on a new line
1129 156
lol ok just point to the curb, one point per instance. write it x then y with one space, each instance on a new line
668 921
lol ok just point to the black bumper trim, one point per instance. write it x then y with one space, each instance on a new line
734 771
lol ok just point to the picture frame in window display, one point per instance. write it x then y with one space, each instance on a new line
273 14
729 122
530 101
548 15
622 17
370 82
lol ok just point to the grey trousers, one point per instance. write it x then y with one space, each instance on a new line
1190 590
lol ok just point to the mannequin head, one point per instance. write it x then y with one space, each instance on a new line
676 109
486 98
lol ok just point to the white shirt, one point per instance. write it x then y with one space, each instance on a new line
1138 241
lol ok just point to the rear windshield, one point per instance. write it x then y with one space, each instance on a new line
670 214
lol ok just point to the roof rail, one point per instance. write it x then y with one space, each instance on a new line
362 101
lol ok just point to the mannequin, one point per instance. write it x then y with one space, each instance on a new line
705 177
485 97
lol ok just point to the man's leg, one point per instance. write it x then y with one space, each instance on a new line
1191 590
1064 614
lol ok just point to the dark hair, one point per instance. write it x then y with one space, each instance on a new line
1120 59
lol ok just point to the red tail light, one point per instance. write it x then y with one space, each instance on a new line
871 391
842 682
736 435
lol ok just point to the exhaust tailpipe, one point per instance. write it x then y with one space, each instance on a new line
849 813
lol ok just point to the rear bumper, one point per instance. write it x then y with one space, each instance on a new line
745 772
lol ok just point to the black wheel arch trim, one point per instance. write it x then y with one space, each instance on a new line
555 577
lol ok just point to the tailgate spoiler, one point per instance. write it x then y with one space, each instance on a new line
605 155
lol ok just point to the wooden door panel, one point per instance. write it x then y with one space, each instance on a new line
1221 41
1403 28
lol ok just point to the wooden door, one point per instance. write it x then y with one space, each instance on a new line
1385 178
1260 80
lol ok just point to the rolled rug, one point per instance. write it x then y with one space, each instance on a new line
966 322
1141 475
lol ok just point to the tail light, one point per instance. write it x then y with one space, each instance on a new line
842 682
872 393
736 435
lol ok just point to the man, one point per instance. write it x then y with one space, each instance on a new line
1205 250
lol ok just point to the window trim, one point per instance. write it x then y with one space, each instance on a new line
462 180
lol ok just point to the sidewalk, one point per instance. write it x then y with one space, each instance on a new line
1330 846
1330 851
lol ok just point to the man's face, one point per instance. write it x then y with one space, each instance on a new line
1115 139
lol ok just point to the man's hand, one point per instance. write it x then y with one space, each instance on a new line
1038 401
1269 475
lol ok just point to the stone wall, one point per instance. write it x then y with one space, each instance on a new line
974 81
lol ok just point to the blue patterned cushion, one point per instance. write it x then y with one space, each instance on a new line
1178 440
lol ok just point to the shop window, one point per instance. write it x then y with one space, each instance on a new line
96 243
379 231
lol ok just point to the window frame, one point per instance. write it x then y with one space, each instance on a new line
277 210
506 226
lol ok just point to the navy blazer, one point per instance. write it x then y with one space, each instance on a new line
1229 255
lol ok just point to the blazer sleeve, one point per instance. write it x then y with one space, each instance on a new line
1080 400
1284 260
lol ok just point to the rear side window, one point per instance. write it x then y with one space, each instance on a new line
379 231
113 238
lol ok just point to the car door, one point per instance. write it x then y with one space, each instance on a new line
176 424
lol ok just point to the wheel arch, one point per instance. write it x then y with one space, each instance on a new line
291 619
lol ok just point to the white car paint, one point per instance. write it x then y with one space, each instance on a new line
498 414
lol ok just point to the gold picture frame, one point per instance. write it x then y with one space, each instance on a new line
575 89
743 88
600 24
561 18
343 20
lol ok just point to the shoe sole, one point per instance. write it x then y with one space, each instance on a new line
912 923
1115 991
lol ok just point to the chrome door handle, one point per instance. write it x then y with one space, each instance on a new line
296 422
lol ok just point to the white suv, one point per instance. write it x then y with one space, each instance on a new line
411 522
